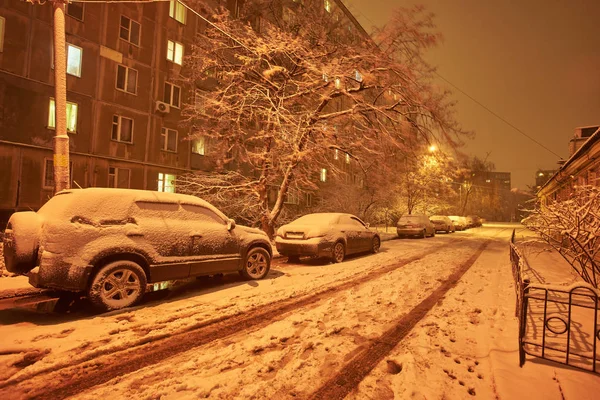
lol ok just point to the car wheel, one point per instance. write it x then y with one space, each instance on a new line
117 285
257 264
423 234
375 245
433 234
339 252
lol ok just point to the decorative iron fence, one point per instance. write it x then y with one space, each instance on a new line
557 323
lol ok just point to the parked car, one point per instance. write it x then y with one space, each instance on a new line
415 225
470 222
111 243
476 220
442 223
331 235
460 223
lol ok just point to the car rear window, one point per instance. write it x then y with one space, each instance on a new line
316 219
96 207
411 219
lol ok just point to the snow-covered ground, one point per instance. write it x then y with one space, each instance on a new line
322 326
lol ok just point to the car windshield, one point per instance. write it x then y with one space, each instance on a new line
317 219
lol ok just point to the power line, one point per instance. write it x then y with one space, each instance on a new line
496 115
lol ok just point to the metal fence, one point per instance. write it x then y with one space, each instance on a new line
557 323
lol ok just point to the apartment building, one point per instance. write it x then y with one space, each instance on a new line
124 92
581 168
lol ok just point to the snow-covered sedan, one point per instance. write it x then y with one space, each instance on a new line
111 243
330 235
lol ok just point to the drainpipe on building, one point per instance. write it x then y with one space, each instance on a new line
61 139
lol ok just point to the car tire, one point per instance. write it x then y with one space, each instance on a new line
338 252
257 264
375 245
423 234
117 285
433 234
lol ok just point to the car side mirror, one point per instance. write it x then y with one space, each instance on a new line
367 225
230 224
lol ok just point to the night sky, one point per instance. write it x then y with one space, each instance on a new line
536 63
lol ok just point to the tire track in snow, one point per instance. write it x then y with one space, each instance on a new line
68 380
353 372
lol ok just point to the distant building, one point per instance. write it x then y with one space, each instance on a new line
582 167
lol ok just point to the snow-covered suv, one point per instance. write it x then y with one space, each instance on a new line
112 243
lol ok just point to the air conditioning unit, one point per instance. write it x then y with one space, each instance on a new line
162 107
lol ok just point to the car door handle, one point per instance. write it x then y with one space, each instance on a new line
134 233
196 235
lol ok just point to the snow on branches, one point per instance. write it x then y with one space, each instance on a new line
274 97
572 227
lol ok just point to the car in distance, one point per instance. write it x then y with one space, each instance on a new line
476 220
330 235
110 244
442 223
415 225
460 223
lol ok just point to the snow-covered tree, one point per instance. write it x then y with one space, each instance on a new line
572 227
276 97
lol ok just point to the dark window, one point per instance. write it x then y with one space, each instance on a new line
126 79
129 30
75 10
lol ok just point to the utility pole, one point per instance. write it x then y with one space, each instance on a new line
61 139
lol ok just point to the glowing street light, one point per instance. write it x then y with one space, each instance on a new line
432 148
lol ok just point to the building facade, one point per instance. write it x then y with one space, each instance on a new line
582 167
124 97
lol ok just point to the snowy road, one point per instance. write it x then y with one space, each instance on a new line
374 326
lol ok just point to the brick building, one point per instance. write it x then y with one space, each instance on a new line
124 96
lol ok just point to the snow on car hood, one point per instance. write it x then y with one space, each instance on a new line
248 229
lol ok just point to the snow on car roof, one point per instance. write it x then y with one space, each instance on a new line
119 199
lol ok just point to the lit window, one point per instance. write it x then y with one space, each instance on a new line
118 177
2 24
358 76
172 94
129 30
336 154
74 54
75 10
122 129
338 83
327 5
177 11
126 79
325 77
168 139
347 158
323 175
71 116
199 102
199 146
166 182
175 52
488 180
